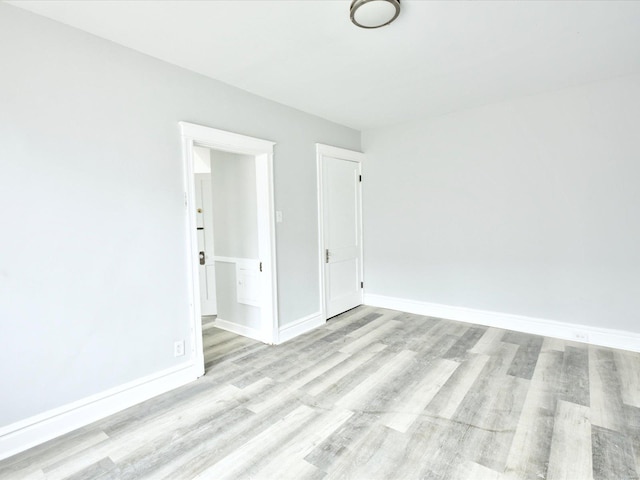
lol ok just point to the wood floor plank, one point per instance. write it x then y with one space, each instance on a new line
357 342
605 390
439 339
553 344
356 398
90 460
445 447
528 457
51 453
574 383
145 435
289 457
145 452
449 397
256 447
99 470
329 454
571 451
333 377
628 368
404 410
468 470
293 469
373 459
262 402
632 417
343 329
373 394
467 341
209 444
477 402
524 362
488 342
499 425
339 321
396 339
612 455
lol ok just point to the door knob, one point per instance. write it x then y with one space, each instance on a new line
201 256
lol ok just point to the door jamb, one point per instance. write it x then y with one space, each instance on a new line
262 150
322 151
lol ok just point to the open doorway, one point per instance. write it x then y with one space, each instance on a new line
228 246
231 231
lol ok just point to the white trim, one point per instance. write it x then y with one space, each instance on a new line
240 260
226 141
262 150
301 326
193 274
40 428
323 150
337 152
605 337
239 329
267 245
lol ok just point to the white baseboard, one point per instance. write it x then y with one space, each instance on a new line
550 328
291 330
38 429
239 329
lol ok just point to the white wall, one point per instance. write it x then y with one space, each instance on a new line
527 207
93 285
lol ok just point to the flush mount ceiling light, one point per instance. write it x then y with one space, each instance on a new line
374 13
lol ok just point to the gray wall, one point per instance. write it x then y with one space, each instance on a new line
235 230
235 205
527 207
93 288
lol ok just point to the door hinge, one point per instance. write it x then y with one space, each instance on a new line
186 203
260 266
326 255
361 284
360 177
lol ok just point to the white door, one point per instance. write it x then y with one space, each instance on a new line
204 225
341 182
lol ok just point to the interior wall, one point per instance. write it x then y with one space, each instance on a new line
93 268
235 205
229 309
235 230
527 207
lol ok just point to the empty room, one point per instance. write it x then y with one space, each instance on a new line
319 239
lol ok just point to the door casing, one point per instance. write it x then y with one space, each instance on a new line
207 277
262 150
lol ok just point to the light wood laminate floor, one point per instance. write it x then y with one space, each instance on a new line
374 394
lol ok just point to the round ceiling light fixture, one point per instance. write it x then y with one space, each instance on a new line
374 13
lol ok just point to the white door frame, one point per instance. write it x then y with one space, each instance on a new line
262 150
343 154
207 221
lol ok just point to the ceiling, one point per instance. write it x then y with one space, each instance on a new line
436 58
